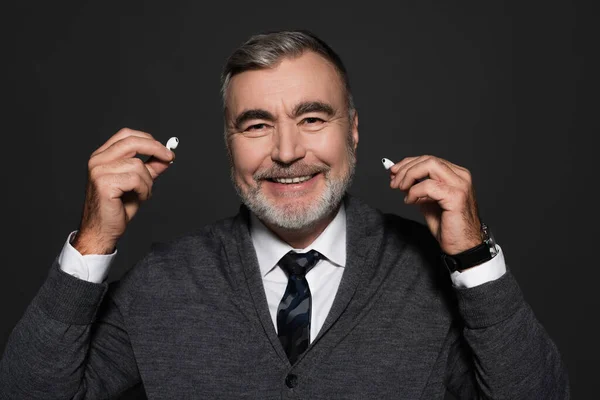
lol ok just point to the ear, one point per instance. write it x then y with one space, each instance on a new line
354 129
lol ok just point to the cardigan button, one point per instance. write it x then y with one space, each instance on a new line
291 381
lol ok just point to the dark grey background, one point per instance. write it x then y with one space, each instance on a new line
504 89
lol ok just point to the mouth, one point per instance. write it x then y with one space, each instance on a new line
291 180
292 185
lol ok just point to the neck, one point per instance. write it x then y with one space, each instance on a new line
302 238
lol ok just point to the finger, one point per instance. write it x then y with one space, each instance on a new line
448 197
136 195
140 187
121 134
131 146
121 183
466 180
428 190
128 165
157 167
464 173
150 169
394 168
433 168
404 165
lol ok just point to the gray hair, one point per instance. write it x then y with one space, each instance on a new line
265 50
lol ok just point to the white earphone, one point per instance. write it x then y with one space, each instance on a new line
172 143
387 164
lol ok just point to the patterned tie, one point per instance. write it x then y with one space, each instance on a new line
293 314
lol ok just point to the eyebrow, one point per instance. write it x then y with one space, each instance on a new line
252 114
300 109
312 106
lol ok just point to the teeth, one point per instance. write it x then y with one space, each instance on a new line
293 180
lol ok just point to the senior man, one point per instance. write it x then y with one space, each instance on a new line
307 292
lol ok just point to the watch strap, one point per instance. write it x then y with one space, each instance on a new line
468 258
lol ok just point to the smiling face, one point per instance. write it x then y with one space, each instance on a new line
291 140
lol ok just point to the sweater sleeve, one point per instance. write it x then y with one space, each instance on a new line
503 352
71 343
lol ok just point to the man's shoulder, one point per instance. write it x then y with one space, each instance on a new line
201 246
207 237
393 225
408 252
197 252
410 230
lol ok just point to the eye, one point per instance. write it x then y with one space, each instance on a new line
312 121
256 127
257 130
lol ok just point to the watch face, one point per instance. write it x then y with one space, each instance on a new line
488 237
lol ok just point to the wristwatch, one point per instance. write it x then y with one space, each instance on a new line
474 256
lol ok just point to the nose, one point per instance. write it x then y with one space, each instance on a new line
288 145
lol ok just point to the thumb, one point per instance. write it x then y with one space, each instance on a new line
156 166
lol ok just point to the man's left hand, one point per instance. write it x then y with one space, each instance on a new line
445 195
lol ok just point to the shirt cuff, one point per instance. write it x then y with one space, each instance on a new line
485 272
92 267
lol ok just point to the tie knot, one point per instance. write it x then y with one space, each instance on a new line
299 263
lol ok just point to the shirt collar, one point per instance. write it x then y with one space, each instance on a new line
270 248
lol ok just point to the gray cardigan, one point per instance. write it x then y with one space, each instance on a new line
191 321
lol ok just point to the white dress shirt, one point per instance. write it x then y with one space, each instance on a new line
323 279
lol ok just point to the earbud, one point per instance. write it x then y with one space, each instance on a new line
172 143
387 164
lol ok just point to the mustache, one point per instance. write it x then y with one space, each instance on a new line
290 171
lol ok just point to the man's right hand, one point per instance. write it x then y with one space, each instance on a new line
118 182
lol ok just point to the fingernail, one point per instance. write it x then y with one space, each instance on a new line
405 199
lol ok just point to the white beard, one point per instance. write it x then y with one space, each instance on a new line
298 216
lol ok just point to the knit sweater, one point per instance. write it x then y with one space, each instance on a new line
190 320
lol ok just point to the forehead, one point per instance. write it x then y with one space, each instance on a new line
308 77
